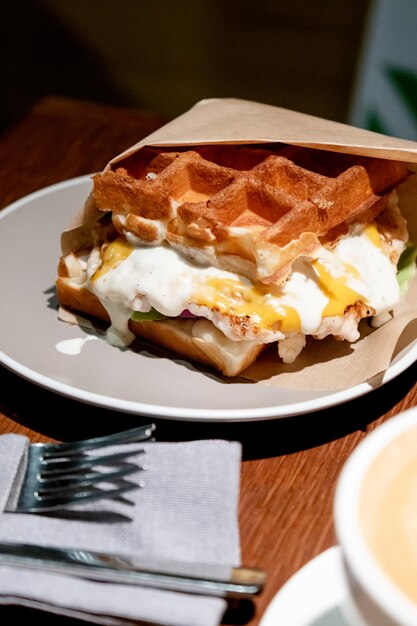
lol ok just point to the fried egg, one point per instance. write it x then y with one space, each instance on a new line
316 296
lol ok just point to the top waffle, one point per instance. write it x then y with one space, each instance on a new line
245 208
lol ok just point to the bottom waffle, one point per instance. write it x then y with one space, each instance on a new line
193 339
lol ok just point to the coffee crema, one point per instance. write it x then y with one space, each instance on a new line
388 511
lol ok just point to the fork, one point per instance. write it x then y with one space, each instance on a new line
59 475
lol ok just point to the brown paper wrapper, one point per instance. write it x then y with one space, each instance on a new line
327 364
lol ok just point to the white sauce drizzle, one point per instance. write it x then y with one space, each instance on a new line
166 281
72 347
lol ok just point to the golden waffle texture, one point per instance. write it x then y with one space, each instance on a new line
248 209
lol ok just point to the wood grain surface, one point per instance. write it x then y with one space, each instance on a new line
290 466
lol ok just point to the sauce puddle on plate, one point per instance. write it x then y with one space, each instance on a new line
73 347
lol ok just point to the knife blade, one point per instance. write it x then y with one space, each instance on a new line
197 578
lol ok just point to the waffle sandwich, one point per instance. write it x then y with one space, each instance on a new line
216 252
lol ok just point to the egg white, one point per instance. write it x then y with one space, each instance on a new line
159 277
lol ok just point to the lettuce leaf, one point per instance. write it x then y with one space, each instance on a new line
150 316
406 266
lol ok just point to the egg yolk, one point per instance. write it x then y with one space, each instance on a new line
113 255
336 290
234 297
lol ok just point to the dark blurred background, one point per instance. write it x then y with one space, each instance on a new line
164 55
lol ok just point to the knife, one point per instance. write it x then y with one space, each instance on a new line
204 579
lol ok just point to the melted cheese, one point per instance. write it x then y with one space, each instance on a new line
372 233
375 275
113 255
233 297
336 290
139 278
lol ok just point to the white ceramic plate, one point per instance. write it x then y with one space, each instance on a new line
137 381
313 596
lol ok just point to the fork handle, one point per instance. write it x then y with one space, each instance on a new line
202 579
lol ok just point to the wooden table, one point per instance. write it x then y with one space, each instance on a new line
290 466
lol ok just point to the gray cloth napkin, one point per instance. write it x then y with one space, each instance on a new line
187 511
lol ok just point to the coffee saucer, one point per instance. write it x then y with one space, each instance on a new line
312 596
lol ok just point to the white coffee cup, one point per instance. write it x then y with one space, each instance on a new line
375 513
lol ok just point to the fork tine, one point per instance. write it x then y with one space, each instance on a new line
55 467
52 502
61 475
141 433
74 481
